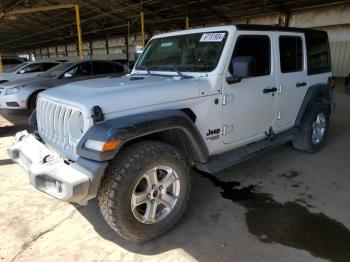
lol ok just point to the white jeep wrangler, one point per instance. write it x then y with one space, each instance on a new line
205 98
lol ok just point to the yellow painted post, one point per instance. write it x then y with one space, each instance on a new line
187 25
80 39
142 29
1 67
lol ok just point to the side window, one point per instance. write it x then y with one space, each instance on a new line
257 47
104 68
47 66
33 68
120 68
83 69
291 54
318 57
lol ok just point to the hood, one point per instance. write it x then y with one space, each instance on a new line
119 94
15 76
6 76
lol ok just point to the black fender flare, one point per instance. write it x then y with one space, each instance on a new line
132 127
318 91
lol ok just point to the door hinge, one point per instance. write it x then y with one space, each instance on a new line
227 129
280 89
227 99
279 115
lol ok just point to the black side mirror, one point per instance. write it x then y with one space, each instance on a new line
242 67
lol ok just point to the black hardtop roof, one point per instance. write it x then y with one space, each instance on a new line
252 27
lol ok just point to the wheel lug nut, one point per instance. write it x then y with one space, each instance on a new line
153 186
153 201
160 187
148 195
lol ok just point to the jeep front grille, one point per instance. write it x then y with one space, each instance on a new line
52 120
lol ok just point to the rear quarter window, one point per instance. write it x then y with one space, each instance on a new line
318 55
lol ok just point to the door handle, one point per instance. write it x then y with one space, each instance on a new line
300 84
270 90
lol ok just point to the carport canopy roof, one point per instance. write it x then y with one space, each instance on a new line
102 18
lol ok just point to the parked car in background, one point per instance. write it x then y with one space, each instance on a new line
25 70
22 94
128 65
10 61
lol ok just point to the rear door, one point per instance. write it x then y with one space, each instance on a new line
291 77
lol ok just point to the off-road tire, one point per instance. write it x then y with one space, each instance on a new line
121 176
303 141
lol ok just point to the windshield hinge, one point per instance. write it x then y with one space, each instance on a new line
227 99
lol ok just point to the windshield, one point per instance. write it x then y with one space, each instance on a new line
15 68
198 52
57 71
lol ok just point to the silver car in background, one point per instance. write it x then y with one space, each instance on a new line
26 70
22 94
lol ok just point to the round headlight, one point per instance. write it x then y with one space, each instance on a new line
76 125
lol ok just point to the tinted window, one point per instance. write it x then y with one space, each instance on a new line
120 68
57 71
291 54
33 68
104 68
47 66
83 69
317 53
257 47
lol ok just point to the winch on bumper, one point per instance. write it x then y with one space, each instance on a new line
48 172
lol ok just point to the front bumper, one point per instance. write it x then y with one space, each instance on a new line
48 172
12 102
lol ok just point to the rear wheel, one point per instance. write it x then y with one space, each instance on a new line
145 190
314 130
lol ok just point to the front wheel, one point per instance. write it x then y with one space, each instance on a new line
314 130
145 190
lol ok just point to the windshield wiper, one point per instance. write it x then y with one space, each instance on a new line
179 73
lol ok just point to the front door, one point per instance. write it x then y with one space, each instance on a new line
249 106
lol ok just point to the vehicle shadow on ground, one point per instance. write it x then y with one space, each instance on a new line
13 121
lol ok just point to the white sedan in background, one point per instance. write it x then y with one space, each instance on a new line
25 70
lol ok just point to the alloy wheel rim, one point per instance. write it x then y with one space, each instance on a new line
155 194
319 128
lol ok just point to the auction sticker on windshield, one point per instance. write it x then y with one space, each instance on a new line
212 37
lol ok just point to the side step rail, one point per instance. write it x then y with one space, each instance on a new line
219 162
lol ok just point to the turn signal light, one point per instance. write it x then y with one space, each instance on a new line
110 145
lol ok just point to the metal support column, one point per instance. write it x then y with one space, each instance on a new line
80 39
187 23
1 67
143 29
